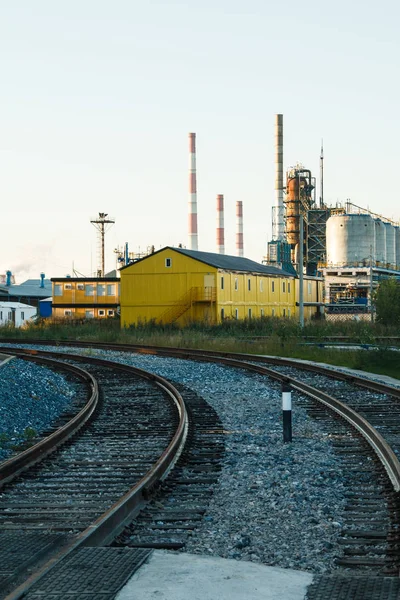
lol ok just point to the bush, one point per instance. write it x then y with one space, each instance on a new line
387 302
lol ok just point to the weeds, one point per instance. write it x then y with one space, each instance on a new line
267 335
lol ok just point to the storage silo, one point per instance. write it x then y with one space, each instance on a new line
397 235
390 245
350 239
380 237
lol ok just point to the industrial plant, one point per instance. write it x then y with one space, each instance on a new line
350 247
322 262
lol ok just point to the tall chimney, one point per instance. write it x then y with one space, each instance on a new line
278 232
193 239
220 225
239 228
321 175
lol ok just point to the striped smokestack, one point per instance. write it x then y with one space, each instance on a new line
278 232
239 228
220 225
193 240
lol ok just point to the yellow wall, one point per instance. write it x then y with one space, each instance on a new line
268 295
71 296
312 292
80 313
150 290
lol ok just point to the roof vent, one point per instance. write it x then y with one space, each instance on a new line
42 276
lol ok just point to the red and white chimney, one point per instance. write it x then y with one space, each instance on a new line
220 225
239 228
193 239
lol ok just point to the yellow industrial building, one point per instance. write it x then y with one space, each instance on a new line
182 286
85 297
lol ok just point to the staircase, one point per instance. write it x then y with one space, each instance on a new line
184 303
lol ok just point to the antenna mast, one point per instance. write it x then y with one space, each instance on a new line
100 223
321 174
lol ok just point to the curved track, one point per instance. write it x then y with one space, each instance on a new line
383 531
82 493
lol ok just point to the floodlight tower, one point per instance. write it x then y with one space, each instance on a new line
101 225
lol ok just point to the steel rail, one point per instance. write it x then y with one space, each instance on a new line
11 468
194 354
379 445
376 441
128 506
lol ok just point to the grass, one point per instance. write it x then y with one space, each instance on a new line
271 336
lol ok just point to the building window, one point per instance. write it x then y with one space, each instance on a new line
273 286
222 282
261 285
101 289
89 289
67 286
222 314
249 284
236 313
1 315
80 286
110 313
89 314
110 289
288 312
236 284
273 312
262 312
284 312
249 313
10 316
168 262
58 289
283 286
288 287
102 313
22 316
67 313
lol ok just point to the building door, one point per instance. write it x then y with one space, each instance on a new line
209 281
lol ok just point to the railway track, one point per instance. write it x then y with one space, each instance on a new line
80 493
370 535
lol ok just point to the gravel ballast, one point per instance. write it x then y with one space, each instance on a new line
277 504
31 397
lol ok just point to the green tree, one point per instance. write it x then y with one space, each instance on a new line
387 302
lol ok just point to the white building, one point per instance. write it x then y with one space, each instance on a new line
16 313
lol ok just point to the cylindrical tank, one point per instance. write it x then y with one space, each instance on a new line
380 237
397 234
390 245
350 240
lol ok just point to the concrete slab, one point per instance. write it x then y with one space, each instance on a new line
172 576
4 358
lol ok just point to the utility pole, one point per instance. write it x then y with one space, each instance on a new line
100 223
301 270
371 283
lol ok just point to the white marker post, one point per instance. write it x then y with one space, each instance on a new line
287 411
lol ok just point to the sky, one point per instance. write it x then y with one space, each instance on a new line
97 100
